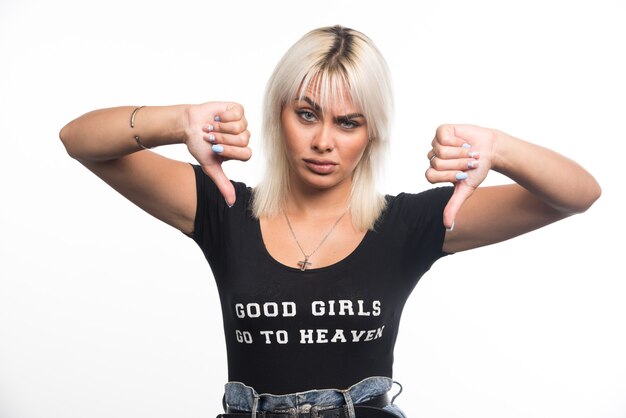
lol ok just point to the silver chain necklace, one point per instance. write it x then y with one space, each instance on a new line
304 264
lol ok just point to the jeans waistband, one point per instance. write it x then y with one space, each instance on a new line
241 397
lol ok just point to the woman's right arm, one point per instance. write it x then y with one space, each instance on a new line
104 141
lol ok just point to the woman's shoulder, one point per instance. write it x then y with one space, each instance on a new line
422 198
415 206
202 179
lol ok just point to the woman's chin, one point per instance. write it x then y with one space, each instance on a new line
321 182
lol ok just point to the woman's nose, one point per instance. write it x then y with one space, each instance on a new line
323 140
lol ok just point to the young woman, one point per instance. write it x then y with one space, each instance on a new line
313 266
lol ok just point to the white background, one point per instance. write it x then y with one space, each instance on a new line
106 312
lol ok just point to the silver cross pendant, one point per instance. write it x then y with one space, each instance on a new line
304 263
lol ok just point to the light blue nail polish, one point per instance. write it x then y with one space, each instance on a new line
459 176
209 128
217 118
211 138
218 149
472 154
466 145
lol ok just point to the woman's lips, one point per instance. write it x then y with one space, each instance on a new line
320 166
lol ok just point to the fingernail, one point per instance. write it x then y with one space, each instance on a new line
229 205
459 176
217 118
218 149
472 164
209 128
451 228
211 138
466 145
473 154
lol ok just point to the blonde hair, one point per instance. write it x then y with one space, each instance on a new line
329 60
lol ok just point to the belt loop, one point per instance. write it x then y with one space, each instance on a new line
399 392
349 404
255 405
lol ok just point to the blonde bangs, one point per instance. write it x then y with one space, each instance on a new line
328 86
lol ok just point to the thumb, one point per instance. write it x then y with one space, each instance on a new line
461 192
222 182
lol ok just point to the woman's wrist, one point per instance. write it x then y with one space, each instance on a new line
160 125
502 151
185 126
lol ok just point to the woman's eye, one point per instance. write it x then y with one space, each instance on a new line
307 115
348 124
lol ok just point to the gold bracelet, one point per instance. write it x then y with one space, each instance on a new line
132 125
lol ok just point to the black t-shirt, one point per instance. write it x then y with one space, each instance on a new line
288 330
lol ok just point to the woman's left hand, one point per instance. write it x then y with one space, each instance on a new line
463 155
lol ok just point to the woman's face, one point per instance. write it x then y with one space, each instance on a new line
323 146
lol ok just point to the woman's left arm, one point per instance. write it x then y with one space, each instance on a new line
549 186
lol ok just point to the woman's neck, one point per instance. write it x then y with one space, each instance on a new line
318 203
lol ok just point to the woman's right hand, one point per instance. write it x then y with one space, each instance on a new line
216 132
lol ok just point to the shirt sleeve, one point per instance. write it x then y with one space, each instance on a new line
212 213
421 215
432 220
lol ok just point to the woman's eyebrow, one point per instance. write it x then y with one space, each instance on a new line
350 116
342 117
312 103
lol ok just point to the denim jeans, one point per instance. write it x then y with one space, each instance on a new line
239 397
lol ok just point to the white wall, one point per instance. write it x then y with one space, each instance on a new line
106 312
